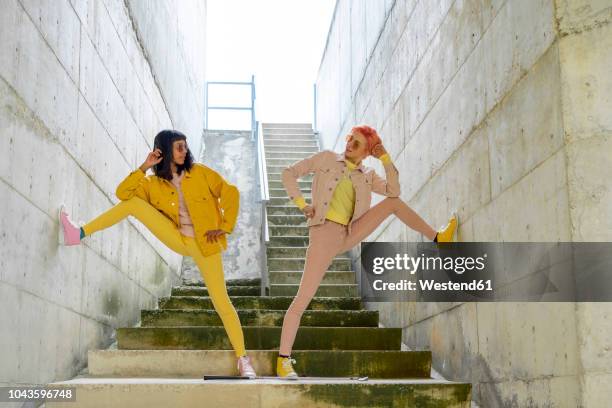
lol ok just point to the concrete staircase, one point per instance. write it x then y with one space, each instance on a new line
161 363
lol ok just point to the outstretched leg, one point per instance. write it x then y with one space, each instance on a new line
368 222
160 225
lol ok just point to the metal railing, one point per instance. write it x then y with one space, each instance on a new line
265 198
239 108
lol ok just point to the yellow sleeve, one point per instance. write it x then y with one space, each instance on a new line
300 202
385 159
229 199
135 184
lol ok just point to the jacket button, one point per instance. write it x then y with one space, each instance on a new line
336 178
325 203
172 203
173 192
330 189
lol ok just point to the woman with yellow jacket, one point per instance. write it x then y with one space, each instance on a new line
187 206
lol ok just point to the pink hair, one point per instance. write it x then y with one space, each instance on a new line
370 135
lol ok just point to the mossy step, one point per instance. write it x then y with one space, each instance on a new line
322 290
294 241
265 393
293 252
279 184
314 363
261 302
203 291
294 277
281 192
255 317
293 219
258 338
285 200
284 230
296 264
230 282
283 210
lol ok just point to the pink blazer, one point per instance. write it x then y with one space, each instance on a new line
328 168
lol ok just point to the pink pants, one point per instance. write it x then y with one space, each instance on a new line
328 240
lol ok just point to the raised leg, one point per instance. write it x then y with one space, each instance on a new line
369 221
161 226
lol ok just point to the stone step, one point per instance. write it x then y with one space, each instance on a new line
277 176
286 125
289 139
261 302
287 131
293 154
192 290
323 290
297 149
283 210
264 393
293 144
229 282
279 184
293 252
294 277
258 338
289 241
314 363
284 161
259 317
288 230
281 192
297 264
286 200
271 168
296 220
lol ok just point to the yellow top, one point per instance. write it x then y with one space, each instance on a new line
342 203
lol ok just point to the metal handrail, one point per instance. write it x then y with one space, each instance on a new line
265 198
238 108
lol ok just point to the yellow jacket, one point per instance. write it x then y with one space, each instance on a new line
212 202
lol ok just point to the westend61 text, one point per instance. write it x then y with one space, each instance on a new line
428 285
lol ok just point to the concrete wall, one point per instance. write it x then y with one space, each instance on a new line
500 110
233 154
84 87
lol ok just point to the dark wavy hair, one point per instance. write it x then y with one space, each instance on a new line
163 141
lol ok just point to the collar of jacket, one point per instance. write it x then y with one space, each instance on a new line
340 157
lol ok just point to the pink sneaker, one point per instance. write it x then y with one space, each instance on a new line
245 367
70 234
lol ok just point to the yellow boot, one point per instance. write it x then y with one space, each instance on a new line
284 368
448 233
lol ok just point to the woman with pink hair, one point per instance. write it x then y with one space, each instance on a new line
340 217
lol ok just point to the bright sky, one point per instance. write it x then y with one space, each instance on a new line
280 42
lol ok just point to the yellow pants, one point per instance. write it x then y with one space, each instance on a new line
211 267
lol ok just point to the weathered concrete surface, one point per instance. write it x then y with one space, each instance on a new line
234 156
82 94
266 393
324 363
499 110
